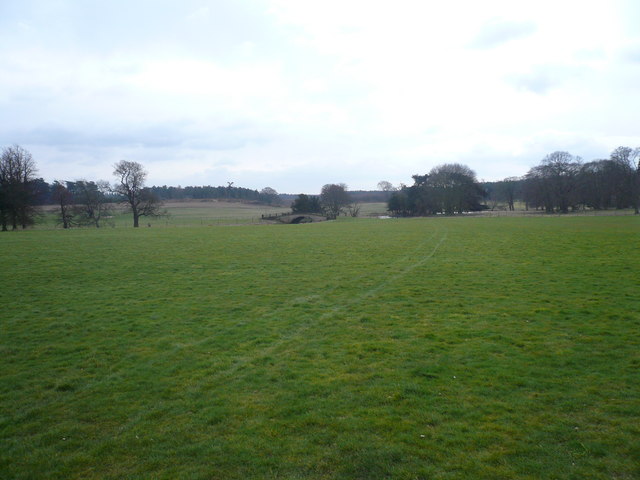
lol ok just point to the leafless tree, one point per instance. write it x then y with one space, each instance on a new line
92 204
64 199
386 186
354 209
17 188
269 196
553 183
629 159
141 201
334 198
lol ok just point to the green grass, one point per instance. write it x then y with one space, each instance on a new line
445 348
180 214
197 213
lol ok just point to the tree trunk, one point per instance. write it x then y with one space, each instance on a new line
636 193
136 214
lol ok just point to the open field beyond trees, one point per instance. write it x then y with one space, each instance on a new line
445 348
195 213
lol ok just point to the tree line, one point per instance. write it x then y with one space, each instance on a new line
79 203
446 189
334 200
84 203
560 183
267 195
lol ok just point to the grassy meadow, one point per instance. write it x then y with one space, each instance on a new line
179 214
438 348
194 213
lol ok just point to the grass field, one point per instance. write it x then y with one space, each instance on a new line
444 348
198 213
180 214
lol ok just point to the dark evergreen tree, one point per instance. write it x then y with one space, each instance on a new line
306 204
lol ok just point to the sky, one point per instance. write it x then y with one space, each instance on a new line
295 94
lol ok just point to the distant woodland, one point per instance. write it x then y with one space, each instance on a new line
560 183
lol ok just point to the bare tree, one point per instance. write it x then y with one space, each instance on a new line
629 159
354 209
269 196
64 199
92 204
553 184
334 198
505 191
17 188
140 200
386 186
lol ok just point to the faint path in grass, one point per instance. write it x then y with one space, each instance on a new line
297 301
293 301
295 332
303 327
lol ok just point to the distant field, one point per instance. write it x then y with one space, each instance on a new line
439 348
181 214
199 213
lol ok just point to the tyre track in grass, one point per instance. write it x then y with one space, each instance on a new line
300 300
293 334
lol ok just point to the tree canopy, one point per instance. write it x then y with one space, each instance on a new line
447 189
17 188
306 204
334 198
141 201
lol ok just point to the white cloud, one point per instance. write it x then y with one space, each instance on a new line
353 91
498 32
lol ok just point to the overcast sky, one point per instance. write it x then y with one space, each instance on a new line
294 94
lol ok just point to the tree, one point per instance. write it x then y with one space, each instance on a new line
41 192
269 196
455 187
553 184
334 198
130 184
604 184
398 203
63 197
92 202
629 160
306 204
17 188
354 209
449 188
387 188
507 189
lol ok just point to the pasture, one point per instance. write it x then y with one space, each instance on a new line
438 348
194 213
